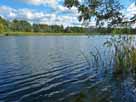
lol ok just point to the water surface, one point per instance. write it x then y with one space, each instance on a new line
59 69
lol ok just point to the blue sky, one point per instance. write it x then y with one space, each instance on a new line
45 11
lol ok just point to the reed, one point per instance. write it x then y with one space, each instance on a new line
121 56
124 55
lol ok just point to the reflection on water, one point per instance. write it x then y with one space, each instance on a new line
60 69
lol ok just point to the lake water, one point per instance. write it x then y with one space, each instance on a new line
59 69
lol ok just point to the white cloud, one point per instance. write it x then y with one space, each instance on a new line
54 4
11 14
62 9
39 2
34 16
131 10
60 15
7 11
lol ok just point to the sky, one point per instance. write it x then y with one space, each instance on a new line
49 11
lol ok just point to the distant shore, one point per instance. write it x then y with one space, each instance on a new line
54 34
39 34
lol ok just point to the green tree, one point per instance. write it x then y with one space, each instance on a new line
101 10
1 27
25 26
15 25
36 28
20 25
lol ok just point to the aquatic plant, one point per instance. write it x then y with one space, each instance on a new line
124 55
121 56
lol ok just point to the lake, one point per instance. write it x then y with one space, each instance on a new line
60 69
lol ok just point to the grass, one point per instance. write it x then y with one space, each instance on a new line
124 56
39 34
122 60
1 34
51 34
125 61
124 66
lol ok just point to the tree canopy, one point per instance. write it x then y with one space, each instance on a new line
20 25
3 24
24 26
104 11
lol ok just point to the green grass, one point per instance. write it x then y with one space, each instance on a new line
52 34
2 35
39 34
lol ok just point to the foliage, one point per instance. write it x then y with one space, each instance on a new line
75 29
24 26
36 28
1 27
101 10
56 28
124 55
20 25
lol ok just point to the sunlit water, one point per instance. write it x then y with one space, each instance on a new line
59 69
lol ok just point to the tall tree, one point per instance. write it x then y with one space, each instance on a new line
108 11
3 25
20 25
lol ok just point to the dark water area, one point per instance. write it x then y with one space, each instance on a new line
60 69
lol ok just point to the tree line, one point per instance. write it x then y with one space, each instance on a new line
24 26
106 13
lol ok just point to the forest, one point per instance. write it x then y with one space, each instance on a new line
24 26
107 13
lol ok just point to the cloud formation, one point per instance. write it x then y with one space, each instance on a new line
59 14
39 2
131 10
34 16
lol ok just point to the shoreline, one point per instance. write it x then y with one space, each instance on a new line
53 34
40 34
